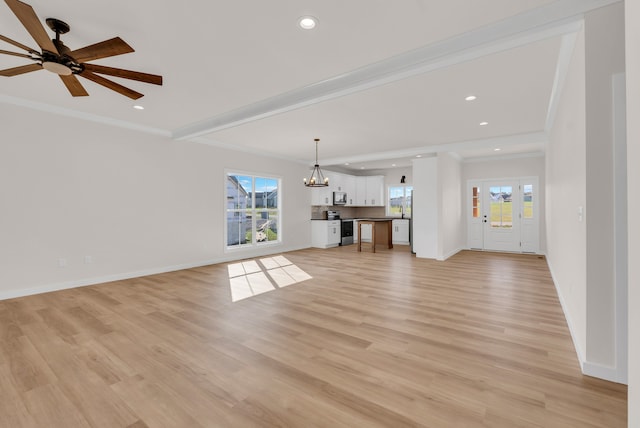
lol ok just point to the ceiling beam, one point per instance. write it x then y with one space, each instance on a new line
554 19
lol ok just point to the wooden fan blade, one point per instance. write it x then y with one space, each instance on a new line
111 85
17 44
15 54
29 19
73 85
20 70
125 74
111 47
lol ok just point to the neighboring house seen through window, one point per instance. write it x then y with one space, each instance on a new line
253 210
399 202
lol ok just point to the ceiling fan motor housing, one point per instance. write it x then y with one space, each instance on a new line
60 63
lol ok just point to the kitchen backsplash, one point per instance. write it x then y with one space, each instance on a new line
317 212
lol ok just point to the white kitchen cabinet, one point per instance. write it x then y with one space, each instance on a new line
370 191
349 185
325 233
321 196
362 191
336 182
375 191
400 231
346 183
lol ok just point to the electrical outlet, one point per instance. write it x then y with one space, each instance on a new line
62 262
88 260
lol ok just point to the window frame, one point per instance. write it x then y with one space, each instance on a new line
405 197
255 211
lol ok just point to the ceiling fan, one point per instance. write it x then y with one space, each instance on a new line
59 59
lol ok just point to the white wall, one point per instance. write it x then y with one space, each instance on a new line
632 17
604 55
392 177
580 173
506 168
450 227
425 207
134 202
565 193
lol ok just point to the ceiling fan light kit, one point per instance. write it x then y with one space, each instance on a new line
57 58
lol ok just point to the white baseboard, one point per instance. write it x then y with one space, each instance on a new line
588 368
47 288
450 254
567 316
12 294
603 372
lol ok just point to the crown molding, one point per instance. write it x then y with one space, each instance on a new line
62 111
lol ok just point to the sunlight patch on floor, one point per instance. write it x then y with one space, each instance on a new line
253 277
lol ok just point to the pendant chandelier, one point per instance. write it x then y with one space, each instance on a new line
317 178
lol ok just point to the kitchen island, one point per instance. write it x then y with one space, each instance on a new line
381 232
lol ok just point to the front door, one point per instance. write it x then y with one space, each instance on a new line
502 215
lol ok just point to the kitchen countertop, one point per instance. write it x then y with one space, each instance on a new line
366 218
377 218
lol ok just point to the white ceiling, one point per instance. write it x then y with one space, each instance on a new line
378 81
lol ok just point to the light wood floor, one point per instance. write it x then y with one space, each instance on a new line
372 340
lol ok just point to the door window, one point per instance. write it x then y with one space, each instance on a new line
475 202
501 206
527 201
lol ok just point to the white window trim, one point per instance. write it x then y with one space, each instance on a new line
388 201
252 245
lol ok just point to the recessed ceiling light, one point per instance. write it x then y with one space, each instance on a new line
307 22
346 163
138 107
484 123
361 167
470 98
393 164
418 156
497 149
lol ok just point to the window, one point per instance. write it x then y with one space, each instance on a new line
253 210
501 206
399 201
475 202
527 200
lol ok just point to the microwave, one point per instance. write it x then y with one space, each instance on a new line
339 198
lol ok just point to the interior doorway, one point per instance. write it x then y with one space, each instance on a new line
503 215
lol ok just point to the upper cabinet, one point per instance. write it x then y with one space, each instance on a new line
349 184
362 191
321 196
370 191
375 191
344 183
